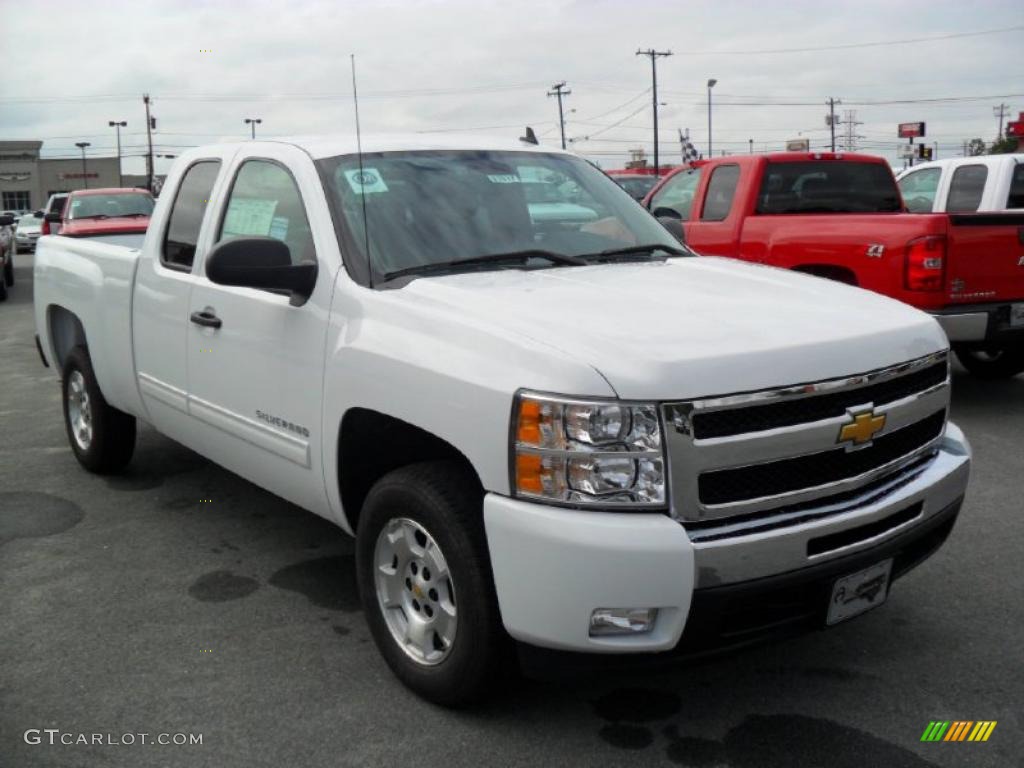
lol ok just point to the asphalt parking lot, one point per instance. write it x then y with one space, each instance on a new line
180 598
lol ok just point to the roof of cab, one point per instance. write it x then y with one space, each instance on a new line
345 144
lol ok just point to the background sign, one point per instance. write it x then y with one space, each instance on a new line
798 145
911 130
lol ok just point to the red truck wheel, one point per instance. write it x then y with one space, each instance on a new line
992 363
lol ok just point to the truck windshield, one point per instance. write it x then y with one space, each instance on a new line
828 186
430 207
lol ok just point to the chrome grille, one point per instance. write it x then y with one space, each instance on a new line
788 451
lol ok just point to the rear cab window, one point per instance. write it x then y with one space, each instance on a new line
919 189
828 186
720 193
190 202
966 188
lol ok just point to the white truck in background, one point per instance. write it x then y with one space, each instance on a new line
964 184
574 434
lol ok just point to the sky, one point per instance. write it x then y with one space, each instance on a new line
487 67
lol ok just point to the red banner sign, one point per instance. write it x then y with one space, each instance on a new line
911 130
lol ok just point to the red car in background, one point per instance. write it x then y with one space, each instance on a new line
841 216
104 213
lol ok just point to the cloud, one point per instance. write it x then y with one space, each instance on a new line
456 65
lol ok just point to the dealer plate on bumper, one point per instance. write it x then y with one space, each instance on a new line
1016 315
858 592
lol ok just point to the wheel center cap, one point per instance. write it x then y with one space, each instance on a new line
417 590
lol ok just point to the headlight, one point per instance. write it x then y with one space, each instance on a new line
587 451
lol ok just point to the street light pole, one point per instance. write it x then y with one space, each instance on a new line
251 122
117 125
85 177
711 84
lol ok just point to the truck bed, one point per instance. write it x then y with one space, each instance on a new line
91 280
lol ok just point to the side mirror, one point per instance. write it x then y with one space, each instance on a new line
37 214
261 262
53 217
6 221
674 225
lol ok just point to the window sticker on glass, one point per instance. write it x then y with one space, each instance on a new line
278 227
248 216
503 178
365 181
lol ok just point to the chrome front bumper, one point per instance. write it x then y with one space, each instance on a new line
737 551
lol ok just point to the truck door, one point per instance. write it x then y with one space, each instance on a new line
255 381
163 284
715 229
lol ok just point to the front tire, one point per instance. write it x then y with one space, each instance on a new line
426 585
102 437
9 271
992 362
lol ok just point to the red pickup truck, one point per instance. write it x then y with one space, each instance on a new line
115 215
841 216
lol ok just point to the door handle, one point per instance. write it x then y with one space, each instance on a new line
206 318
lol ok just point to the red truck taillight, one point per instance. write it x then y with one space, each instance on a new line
925 266
44 228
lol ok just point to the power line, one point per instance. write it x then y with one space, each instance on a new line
847 46
626 103
607 128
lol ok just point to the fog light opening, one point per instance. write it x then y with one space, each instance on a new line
605 622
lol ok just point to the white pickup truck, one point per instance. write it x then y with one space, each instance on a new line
575 434
965 184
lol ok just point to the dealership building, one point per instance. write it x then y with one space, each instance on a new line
26 180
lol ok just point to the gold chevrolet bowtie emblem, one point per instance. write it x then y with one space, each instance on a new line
863 427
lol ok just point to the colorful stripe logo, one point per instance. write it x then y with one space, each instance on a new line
958 730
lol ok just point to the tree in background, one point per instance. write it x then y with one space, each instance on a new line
1003 146
976 147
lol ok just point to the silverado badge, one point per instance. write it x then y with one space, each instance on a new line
864 426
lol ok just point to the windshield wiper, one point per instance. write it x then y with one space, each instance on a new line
93 216
489 258
635 250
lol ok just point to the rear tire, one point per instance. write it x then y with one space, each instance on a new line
421 548
992 362
102 437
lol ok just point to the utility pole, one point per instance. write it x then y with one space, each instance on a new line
558 90
751 141
851 122
832 118
118 125
1002 112
654 97
149 141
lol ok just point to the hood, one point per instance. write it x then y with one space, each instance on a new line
113 225
692 327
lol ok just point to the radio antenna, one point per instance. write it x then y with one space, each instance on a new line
362 177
